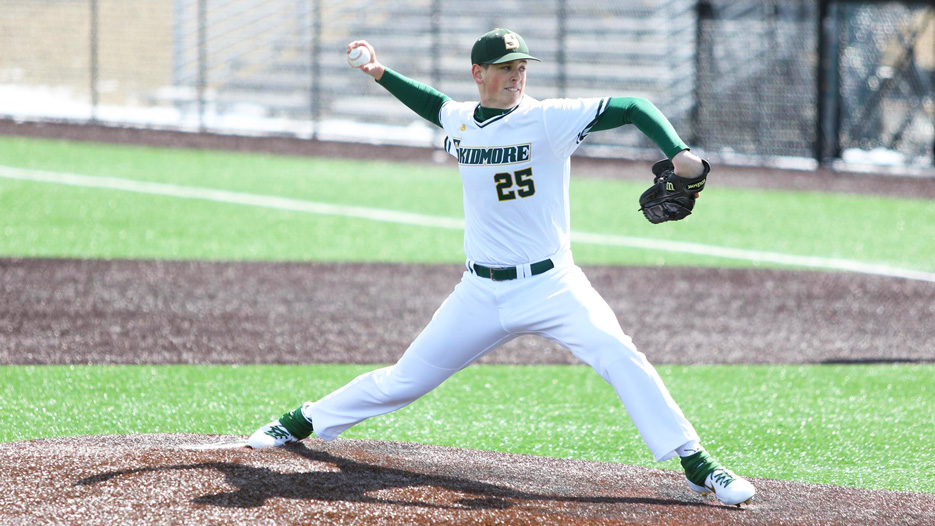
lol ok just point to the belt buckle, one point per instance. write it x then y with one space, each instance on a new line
496 269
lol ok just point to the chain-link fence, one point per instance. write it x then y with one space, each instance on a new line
761 78
757 77
886 75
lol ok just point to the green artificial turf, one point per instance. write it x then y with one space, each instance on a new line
863 426
53 220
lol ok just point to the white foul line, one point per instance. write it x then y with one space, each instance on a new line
225 196
450 223
215 446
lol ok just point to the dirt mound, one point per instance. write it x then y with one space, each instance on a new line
197 479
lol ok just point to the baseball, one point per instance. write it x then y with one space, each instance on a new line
358 56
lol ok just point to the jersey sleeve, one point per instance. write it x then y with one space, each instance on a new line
451 117
568 121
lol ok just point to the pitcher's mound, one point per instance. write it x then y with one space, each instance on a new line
198 479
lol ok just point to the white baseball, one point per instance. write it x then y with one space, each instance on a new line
358 56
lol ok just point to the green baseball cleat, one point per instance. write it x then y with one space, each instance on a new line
706 475
291 427
272 434
729 488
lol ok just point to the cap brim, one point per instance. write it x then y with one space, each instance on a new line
510 57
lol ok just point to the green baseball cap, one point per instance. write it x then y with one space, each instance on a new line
499 46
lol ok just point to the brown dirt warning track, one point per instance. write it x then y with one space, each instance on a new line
140 312
154 312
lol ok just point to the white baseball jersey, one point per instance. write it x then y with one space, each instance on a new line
515 170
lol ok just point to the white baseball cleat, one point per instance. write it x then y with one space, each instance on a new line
729 488
272 434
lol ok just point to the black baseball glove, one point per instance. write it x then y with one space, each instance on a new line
671 197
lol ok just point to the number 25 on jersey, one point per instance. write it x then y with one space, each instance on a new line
509 185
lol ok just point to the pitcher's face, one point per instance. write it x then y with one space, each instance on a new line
501 85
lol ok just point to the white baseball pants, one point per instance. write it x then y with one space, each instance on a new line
480 315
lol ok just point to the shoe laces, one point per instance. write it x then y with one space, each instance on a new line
278 432
722 477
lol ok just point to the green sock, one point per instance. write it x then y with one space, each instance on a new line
698 466
295 423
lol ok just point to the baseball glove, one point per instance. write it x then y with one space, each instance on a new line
671 197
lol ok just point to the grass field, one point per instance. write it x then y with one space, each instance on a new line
844 425
54 220
863 426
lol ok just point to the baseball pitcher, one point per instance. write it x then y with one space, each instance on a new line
513 154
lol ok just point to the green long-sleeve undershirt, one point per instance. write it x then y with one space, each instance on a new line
427 103
425 100
646 117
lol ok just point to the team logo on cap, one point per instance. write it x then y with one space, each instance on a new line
510 41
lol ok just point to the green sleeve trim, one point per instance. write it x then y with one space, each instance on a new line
647 118
425 100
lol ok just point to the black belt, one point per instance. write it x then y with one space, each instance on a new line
508 273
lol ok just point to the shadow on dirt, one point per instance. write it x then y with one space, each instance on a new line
874 361
354 481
